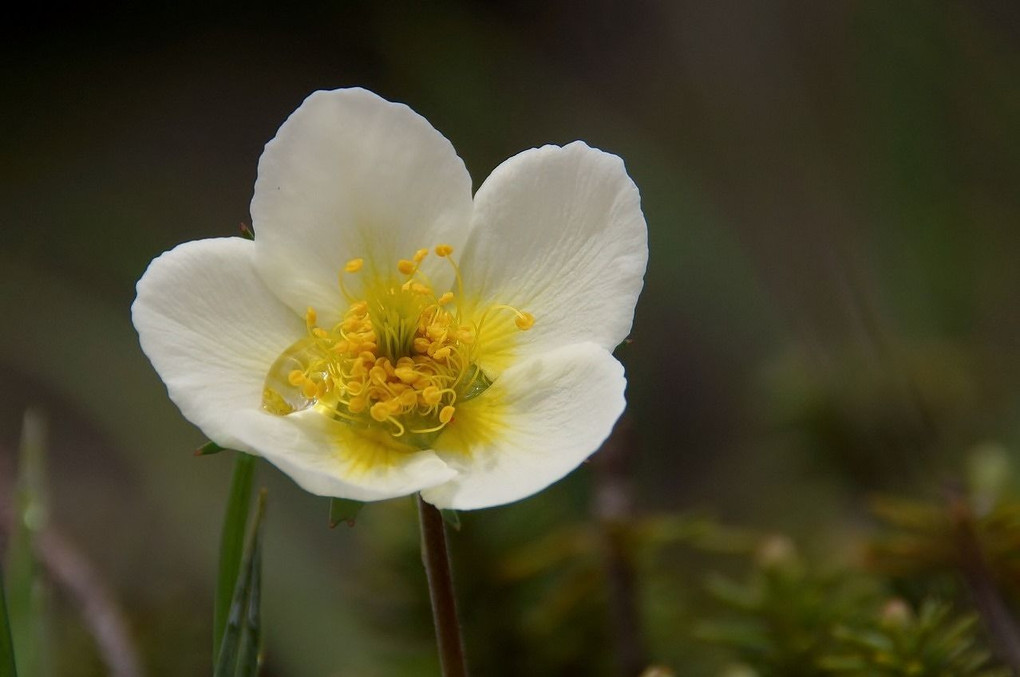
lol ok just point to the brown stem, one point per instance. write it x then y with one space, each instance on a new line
613 506
980 581
436 558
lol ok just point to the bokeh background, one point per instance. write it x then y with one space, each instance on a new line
830 309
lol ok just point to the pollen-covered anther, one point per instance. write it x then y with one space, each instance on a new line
444 250
524 321
406 267
354 265
431 396
420 255
445 298
296 377
446 414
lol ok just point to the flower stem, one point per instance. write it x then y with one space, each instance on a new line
436 558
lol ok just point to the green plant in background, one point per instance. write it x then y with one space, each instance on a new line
28 596
934 642
788 621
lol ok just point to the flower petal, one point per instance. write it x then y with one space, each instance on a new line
351 175
536 423
559 233
211 329
330 458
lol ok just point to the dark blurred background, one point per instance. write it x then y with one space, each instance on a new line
830 310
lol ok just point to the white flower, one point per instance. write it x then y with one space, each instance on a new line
385 333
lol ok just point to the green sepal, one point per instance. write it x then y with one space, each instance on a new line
232 544
239 651
343 510
452 518
208 449
246 232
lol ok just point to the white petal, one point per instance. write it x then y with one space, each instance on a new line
559 233
329 458
351 175
536 423
211 329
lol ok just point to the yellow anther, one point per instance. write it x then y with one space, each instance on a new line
296 377
406 374
443 353
431 396
525 321
465 334
406 267
419 288
354 265
310 316
446 414
319 332
357 405
445 298
421 345
380 411
408 398
309 389
444 250
420 255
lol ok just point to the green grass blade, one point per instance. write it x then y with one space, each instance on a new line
27 592
251 635
7 666
343 510
232 544
240 646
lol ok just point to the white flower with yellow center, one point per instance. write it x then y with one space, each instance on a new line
385 333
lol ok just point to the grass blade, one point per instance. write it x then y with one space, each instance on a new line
343 510
241 639
27 591
7 666
251 636
232 544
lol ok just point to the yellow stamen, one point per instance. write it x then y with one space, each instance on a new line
525 321
401 357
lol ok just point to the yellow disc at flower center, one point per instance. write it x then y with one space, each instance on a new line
402 357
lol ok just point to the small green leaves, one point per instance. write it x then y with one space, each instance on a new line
7 666
232 544
242 636
343 510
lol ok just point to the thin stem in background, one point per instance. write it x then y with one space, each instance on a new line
436 557
613 507
981 583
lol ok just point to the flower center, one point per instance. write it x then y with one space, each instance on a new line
402 357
